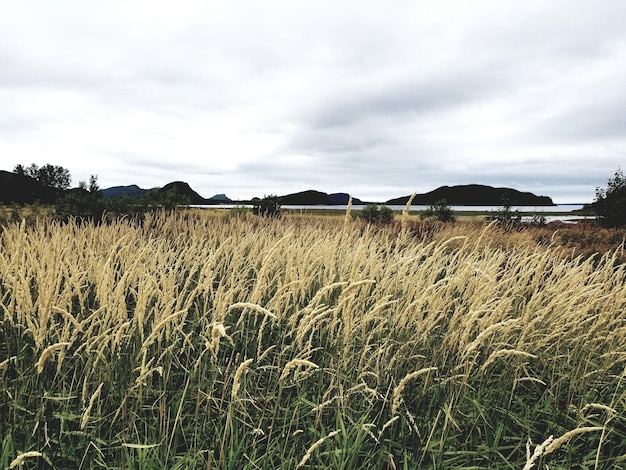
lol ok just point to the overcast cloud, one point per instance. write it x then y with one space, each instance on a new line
378 99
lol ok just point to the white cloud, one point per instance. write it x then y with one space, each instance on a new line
378 99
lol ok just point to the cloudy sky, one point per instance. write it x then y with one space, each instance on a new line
375 98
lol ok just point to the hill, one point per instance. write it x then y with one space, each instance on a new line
180 186
118 191
184 189
221 198
475 195
23 189
313 198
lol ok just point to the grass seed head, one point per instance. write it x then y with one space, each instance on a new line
47 353
19 460
238 375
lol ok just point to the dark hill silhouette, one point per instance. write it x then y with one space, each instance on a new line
180 187
313 198
221 198
342 199
184 189
118 191
309 197
23 189
475 195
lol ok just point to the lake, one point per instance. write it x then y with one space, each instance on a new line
548 210
416 208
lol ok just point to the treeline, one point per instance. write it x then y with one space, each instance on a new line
86 200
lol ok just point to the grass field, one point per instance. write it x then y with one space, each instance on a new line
198 341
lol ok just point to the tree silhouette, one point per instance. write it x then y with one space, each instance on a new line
610 203
54 176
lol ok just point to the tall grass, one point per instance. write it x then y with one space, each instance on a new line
203 342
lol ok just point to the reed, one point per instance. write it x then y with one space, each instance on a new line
131 344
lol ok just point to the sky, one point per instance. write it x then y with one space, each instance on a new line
378 99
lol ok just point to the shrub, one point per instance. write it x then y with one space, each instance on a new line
80 203
269 206
440 210
375 214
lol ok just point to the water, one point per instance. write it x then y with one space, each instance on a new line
414 208
548 210
355 207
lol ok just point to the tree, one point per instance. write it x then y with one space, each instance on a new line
19 170
440 210
610 203
54 176
375 214
93 184
269 206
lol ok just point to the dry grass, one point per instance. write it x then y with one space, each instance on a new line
332 320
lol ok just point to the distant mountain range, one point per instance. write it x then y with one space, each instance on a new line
461 195
179 186
25 190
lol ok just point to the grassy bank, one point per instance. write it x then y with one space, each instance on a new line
206 342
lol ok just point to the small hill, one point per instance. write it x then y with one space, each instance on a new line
342 199
21 189
118 191
307 198
475 195
135 191
221 198
184 189
313 198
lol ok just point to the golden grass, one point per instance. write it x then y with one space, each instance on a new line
359 311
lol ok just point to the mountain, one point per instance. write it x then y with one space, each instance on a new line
118 191
135 191
306 198
342 199
313 198
184 189
221 198
23 189
475 195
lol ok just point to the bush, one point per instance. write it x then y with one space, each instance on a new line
440 210
269 206
375 214
82 204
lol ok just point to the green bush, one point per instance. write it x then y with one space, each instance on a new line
375 214
440 210
82 204
269 206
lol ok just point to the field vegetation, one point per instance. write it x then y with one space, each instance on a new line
201 340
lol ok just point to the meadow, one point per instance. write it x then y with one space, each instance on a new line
201 341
